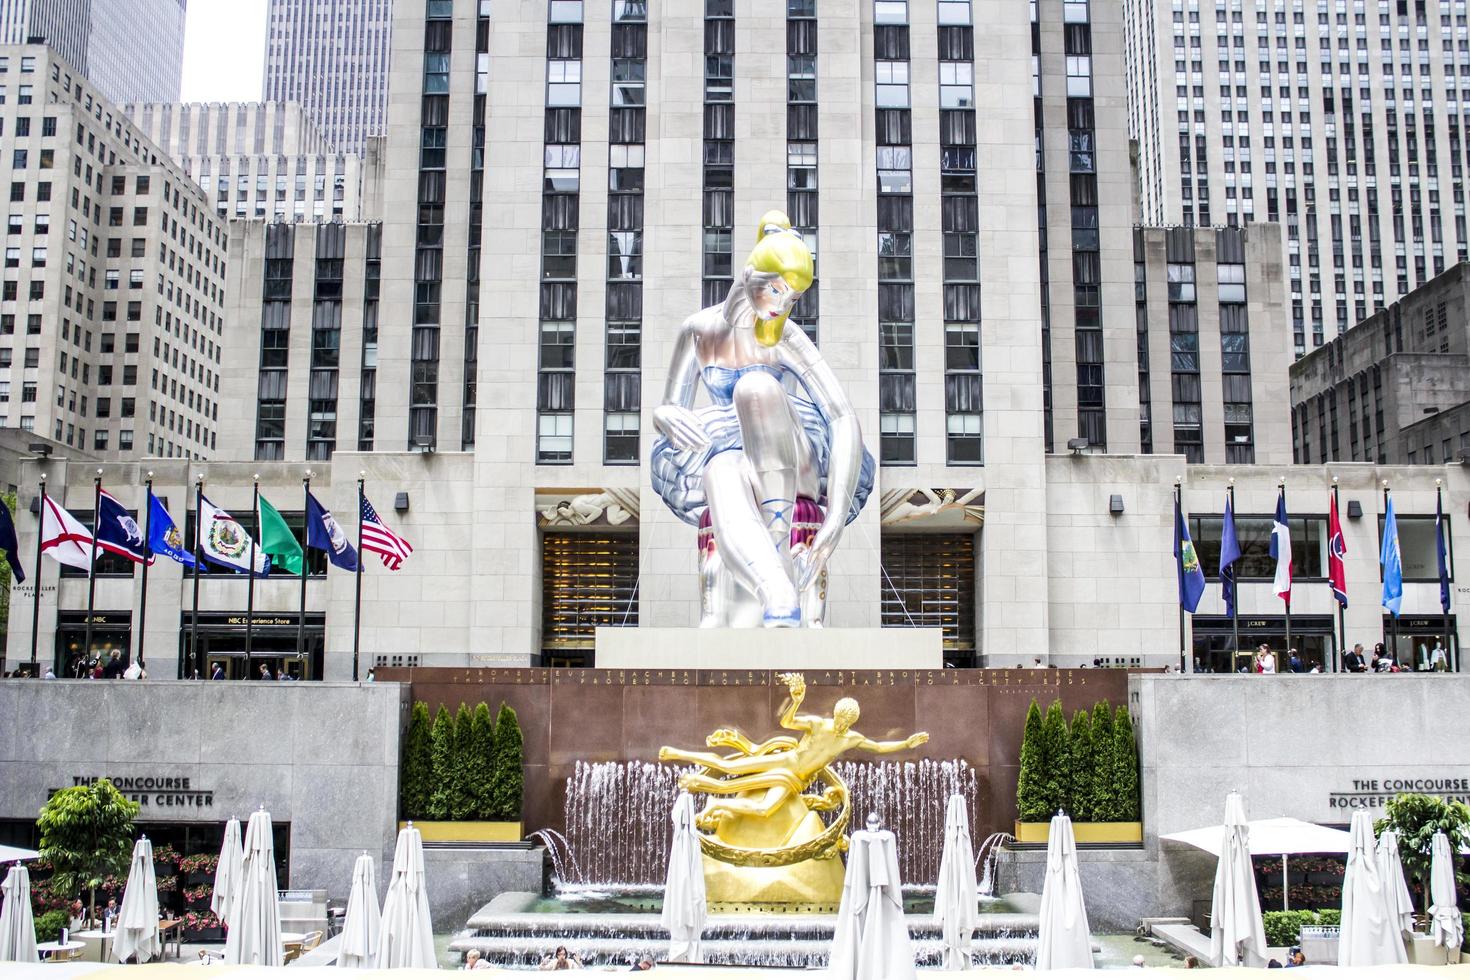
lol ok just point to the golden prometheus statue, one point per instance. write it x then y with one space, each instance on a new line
761 835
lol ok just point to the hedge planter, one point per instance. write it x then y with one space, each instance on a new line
468 831
1086 833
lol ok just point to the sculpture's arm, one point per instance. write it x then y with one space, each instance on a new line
885 748
796 686
847 445
674 417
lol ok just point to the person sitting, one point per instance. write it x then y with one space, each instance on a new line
644 963
561 960
472 961
1296 957
1191 962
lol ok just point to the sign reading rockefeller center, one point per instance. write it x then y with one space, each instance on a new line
1374 793
162 791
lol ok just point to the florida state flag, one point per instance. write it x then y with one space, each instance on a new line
1336 551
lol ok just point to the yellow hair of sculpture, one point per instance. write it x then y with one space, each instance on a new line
779 252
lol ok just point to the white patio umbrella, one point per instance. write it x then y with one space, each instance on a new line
227 872
1064 940
871 940
956 897
255 911
137 920
17 927
1237 934
684 899
1445 926
1370 929
8 854
1277 836
407 938
364 920
1391 870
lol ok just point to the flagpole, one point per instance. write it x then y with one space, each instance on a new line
357 600
250 589
1341 622
1179 509
36 598
1234 590
301 618
1441 541
198 536
147 557
1281 487
1393 636
92 571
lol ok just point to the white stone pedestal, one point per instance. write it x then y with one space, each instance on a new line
663 648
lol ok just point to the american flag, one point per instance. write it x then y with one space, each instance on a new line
377 538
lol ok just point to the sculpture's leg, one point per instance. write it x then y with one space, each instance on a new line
713 589
746 549
736 767
757 806
776 447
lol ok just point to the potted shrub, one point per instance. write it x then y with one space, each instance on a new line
87 837
1088 770
461 777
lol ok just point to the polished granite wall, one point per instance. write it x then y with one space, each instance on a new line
625 715
322 757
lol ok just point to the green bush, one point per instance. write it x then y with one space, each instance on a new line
50 924
509 771
1057 779
442 740
1084 770
1124 769
87 836
1104 793
416 782
1284 928
1417 817
462 787
480 762
1030 793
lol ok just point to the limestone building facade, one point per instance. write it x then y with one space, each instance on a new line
129 49
113 286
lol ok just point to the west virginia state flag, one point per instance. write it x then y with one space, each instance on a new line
1186 562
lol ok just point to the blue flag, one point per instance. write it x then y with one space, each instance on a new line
163 534
1229 555
324 534
9 544
117 532
1392 562
1186 563
1443 553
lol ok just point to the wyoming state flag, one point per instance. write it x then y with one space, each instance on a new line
1186 562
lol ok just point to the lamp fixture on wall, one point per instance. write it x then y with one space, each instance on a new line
1115 504
1355 510
400 501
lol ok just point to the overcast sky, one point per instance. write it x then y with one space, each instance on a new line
224 50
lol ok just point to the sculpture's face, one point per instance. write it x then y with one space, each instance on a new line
772 298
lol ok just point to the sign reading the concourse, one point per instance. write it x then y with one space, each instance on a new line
152 791
1372 794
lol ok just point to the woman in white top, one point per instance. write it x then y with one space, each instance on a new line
1265 660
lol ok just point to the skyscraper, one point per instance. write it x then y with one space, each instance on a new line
132 50
332 57
1340 120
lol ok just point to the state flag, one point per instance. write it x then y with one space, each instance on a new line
118 533
63 537
325 534
224 541
164 537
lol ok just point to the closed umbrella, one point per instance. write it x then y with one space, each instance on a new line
871 940
1445 925
1064 940
255 912
1237 934
1391 870
227 872
407 938
1370 929
684 900
956 898
137 920
17 928
364 919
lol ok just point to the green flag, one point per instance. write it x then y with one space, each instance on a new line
277 540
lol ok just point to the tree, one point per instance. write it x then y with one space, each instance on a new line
1083 771
462 786
87 835
479 752
1125 766
1058 776
1417 817
442 741
509 775
1030 793
417 778
1104 791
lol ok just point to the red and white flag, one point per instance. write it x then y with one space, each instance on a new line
63 537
